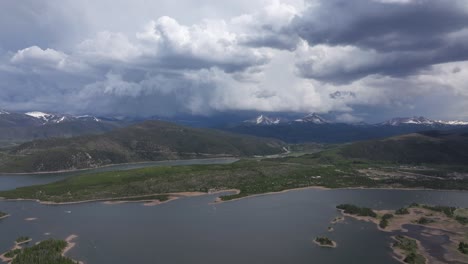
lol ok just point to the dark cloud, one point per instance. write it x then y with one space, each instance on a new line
42 23
406 36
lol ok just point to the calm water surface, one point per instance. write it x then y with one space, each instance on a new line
264 229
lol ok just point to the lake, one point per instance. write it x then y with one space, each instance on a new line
276 228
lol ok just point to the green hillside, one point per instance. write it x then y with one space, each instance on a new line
149 141
432 147
387 163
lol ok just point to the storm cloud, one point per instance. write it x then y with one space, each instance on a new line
361 59
394 38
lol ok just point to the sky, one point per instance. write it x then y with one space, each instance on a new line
361 60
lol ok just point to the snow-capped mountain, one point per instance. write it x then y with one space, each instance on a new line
421 121
265 120
313 118
18 127
47 118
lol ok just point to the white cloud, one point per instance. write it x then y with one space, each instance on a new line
34 54
109 46
247 58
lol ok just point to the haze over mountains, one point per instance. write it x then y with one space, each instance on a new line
314 128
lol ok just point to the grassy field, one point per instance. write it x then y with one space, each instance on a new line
250 176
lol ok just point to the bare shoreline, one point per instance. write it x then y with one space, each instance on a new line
70 245
5 216
334 244
218 200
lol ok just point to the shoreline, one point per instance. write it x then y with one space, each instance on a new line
111 165
5 216
70 246
218 199
23 242
317 187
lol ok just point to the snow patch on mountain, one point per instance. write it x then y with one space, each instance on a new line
415 120
313 118
47 118
265 120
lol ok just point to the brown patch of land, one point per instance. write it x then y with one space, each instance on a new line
6 259
70 245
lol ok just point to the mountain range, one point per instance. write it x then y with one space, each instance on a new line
19 127
16 127
314 128
314 118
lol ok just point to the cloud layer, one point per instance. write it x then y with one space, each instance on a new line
365 60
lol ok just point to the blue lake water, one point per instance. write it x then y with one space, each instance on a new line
275 228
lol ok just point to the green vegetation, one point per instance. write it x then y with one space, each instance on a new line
384 221
462 219
424 221
463 247
22 239
402 211
410 249
149 141
250 176
46 252
12 253
452 212
355 210
431 147
329 168
324 241
448 211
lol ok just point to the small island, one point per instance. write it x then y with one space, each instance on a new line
50 251
355 210
325 242
3 215
447 221
23 240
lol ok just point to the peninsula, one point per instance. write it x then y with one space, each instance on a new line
433 220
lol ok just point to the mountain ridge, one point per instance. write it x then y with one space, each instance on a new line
147 141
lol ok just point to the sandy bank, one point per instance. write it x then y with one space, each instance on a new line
5 216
